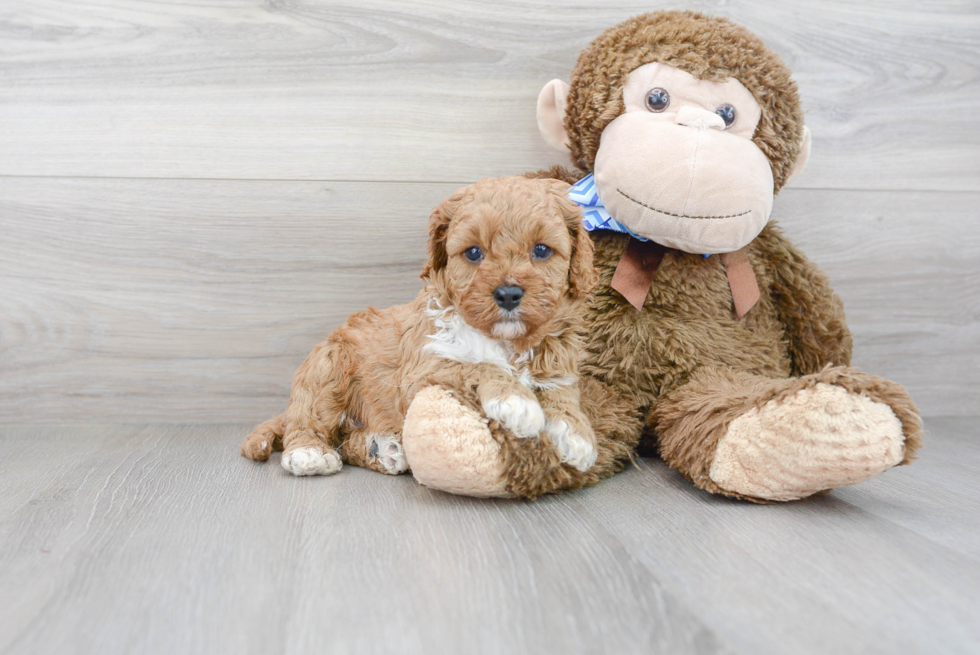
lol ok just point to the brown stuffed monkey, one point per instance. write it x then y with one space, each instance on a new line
711 336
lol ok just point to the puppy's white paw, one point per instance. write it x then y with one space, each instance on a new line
574 449
310 461
388 450
524 418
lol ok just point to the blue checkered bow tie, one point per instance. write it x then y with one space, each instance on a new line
594 214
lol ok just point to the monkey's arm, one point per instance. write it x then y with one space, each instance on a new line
811 313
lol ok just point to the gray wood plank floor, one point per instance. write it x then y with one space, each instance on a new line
161 539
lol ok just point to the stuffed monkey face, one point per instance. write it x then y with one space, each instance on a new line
671 169
678 165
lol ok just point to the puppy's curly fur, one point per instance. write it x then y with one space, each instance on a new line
518 365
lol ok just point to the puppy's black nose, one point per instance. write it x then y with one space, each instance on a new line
508 297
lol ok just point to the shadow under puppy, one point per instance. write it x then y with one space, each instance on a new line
498 324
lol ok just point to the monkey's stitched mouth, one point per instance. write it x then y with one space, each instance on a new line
660 211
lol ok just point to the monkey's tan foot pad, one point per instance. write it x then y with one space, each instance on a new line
311 460
820 438
449 447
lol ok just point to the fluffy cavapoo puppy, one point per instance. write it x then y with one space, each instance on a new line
498 324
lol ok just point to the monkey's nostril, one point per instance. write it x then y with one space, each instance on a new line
508 297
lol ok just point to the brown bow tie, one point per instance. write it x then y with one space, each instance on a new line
640 261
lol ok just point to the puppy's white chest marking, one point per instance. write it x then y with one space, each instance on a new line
456 340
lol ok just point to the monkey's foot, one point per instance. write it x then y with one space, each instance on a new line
449 447
821 437
777 439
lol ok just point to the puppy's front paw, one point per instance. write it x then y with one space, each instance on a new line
311 460
523 417
574 449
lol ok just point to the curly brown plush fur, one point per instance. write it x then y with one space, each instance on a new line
686 362
658 362
759 405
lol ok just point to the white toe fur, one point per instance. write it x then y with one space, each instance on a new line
524 418
389 453
310 461
574 449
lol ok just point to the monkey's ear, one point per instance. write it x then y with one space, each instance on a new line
551 114
802 158
438 227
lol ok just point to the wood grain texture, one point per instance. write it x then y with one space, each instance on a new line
165 540
442 91
162 539
189 301
907 265
882 567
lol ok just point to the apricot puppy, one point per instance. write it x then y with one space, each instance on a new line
498 324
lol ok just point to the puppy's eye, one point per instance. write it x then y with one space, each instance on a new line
657 99
542 251
473 254
727 113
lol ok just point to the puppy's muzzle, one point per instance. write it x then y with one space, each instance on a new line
508 297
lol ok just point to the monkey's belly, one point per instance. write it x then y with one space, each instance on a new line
687 322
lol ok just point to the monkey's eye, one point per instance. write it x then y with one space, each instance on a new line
727 113
658 99
542 251
473 254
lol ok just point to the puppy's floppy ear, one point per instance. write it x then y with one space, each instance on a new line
582 276
439 222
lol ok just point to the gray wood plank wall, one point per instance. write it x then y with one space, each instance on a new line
193 194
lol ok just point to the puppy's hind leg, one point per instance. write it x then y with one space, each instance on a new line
265 438
377 451
320 394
